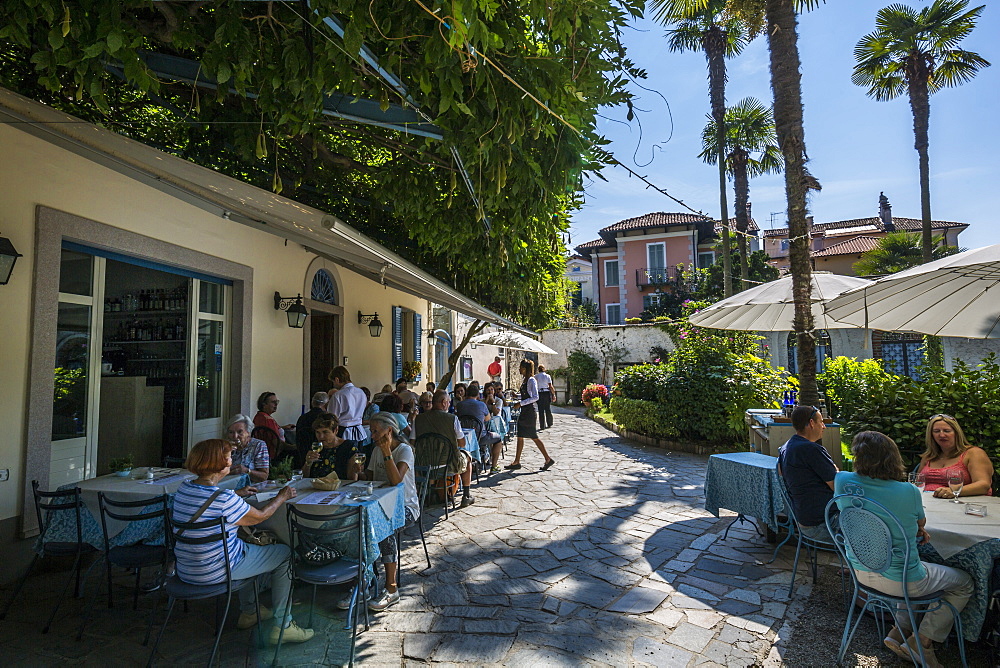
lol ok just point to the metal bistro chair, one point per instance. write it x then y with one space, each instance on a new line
178 590
432 454
134 557
330 527
864 534
47 503
812 545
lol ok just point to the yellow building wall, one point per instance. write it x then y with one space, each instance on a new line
34 172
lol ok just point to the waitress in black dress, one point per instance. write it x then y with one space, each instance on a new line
528 421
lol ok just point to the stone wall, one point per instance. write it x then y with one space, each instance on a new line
970 351
636 339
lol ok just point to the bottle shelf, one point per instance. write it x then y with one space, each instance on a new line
136 314
124 343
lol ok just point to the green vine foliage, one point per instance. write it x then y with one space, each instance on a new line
899 406
582 368
701 390
276 62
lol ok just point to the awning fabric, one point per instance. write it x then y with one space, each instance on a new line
229 198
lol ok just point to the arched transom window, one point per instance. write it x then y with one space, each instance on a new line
324 289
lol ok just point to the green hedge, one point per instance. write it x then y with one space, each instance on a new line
645 417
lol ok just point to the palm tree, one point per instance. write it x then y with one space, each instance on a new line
777 18
917 53
897 251
703 25
753 151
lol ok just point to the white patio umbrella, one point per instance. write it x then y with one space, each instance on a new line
770 307
512 340
958 295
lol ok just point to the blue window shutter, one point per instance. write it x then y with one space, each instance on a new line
418 336
397 343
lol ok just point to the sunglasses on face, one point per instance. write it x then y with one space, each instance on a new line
940 416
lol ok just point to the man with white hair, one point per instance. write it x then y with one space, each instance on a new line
304 434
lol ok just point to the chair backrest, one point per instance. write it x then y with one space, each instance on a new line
181 535
48 502
333 526
864 534
110 508
786 498
271 439
472 422
432 451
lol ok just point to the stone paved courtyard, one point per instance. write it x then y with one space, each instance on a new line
606 559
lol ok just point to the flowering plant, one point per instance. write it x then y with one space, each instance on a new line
595 390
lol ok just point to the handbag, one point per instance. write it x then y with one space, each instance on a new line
315 553
255 536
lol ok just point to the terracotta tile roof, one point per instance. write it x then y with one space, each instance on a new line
657 219
854 246
596 243
873 224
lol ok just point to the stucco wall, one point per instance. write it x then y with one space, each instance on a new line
37 173
637 339
970 351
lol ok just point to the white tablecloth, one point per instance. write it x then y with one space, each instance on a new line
952 531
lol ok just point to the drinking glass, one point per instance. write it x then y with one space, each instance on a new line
956 482
317 447
920 481
296 475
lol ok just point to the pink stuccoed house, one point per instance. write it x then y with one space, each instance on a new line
633 258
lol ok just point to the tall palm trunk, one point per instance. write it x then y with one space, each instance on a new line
714 43
787 88
920 105
741 182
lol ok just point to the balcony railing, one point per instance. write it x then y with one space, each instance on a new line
655 276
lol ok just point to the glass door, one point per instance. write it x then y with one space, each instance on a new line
209 355
77 372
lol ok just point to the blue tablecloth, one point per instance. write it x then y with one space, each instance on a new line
498 424
471 443
746 483
977 561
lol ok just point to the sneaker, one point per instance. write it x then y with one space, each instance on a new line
384 601
345 603
466 501
247 620
293 633
495 469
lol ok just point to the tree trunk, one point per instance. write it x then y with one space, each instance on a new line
787 88
920 105
714 43
456 354
741 182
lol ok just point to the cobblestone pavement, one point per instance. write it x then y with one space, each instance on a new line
608 558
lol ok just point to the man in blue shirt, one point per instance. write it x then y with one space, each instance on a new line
808 471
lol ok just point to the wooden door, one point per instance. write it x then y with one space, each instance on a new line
323 357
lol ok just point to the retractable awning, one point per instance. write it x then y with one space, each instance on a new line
235 200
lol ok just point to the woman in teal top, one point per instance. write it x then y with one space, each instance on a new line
878 472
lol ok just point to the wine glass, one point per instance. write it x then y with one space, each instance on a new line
317 446
956 482
920 480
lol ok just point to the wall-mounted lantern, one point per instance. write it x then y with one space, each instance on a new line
8 256
374 324
293 308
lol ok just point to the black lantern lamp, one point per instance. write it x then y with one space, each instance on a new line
8 256
293 308
374 324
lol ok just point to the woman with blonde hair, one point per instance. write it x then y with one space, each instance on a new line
948 453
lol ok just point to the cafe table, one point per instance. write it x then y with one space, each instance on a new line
746 483
471 443
383 514
62 524
966 542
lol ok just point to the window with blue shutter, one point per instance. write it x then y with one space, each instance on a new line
418 335
397 342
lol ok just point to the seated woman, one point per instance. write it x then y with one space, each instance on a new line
201 500
426 401
267 406
457 396
392 462
494 405
336 452
250 456
393 405
878 469
947 453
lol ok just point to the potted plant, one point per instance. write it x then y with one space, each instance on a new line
281 472
411 371
121 466
594 390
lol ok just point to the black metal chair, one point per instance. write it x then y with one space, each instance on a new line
432 454
178 590
331 527
131 557
47 503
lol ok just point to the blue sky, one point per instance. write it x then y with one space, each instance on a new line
857 147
